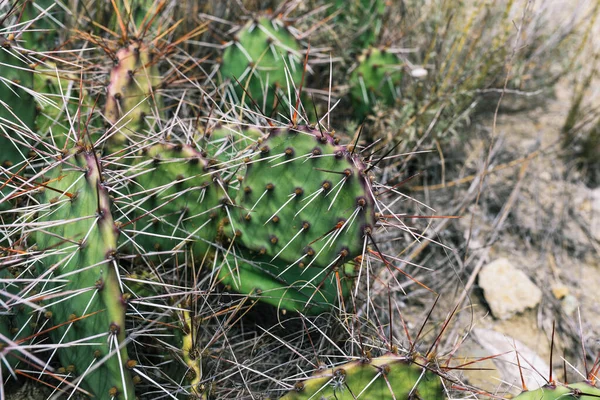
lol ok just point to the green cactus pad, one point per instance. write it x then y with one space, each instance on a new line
62 111
375 79
131 94
77 239
17 117
258 58
227 144
272 282
178 206
389 377
575 391
305 200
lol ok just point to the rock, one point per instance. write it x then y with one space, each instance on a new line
507 289
506 375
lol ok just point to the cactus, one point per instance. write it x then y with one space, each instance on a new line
263 57
177 205
304 210
375 79
77 240
131 96
281 285
572 391
384 378
305 199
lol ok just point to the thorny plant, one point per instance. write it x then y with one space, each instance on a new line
131 178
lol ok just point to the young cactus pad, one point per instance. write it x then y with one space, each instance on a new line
78 240
131 93
389 377
375 79
264 55
575 391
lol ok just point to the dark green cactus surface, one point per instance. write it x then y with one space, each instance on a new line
264 56
375 79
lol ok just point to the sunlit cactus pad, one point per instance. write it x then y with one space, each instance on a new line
77 239
389 377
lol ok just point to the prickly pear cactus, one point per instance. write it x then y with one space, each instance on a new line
131 95
177 203
227 144
388 377
77 239
574 391
283 285
304 210
305 200
263 57
375 79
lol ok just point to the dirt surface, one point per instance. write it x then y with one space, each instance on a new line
534 210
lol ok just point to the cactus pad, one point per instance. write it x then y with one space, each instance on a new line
258 58
375 79
387 377
305 200
272 282
78 240
575 391
178 205
131 93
